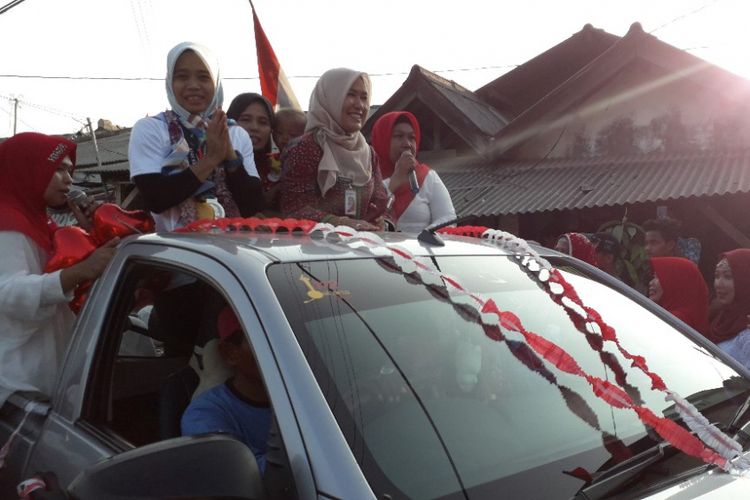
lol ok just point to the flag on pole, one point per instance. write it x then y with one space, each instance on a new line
273 83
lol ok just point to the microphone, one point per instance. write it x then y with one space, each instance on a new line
79 197
413 182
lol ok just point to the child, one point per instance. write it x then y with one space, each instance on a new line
240 406
290 124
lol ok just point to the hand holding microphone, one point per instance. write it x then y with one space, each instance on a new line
82 207
408 162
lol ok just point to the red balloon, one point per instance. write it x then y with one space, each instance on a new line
111 220
71 245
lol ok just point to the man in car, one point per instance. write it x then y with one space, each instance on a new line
240 406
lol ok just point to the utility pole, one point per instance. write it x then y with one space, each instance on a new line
96 146
98 158
15 114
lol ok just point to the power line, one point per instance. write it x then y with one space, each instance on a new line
161 79
46 109
5 8
683 16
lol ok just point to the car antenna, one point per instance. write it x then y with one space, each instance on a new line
429 235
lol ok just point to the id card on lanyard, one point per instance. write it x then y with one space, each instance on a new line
350 201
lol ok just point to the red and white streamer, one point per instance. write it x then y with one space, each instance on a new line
709 443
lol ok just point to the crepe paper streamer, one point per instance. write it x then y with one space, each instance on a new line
589 321
711 445
676 435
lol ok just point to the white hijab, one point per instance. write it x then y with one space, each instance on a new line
344 155
211 62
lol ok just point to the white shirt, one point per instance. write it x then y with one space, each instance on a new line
149 146
431 205
35 321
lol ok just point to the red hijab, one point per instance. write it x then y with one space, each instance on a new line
381 143
27 163
581 248
732 319
685 293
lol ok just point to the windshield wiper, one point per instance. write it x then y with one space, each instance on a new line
610 480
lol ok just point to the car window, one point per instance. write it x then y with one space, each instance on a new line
434 404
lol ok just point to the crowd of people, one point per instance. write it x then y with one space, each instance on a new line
194 161
674 281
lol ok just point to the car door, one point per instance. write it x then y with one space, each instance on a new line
111 390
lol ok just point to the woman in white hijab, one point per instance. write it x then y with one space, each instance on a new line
332 174
188 162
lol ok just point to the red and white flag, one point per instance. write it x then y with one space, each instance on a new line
273 83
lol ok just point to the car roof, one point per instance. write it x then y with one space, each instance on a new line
287 247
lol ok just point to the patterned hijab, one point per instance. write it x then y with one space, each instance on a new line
345 155
27 163
684 292
212 63
732 319
195 125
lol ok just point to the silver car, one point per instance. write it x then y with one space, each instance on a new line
384 383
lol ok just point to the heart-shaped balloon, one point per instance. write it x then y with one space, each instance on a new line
71 245
109 221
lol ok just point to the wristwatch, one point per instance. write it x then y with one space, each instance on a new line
232 165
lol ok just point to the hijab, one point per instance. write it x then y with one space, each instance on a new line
183 125
345 155
212 63
684 291
732 319
238 105
581 248
27 163
380 138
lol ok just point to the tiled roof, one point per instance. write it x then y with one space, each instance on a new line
520 88
562 105
473 120
537 186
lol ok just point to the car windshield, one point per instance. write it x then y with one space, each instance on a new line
434 405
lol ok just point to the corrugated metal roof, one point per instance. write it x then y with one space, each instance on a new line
537 186
112 149
109 168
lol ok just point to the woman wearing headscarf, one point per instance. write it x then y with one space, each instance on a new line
729 326
332 174
187 162
34 313
395 138
577 245
254 113
678 286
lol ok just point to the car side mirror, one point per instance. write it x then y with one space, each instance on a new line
207 467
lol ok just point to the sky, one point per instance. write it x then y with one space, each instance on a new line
115 50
